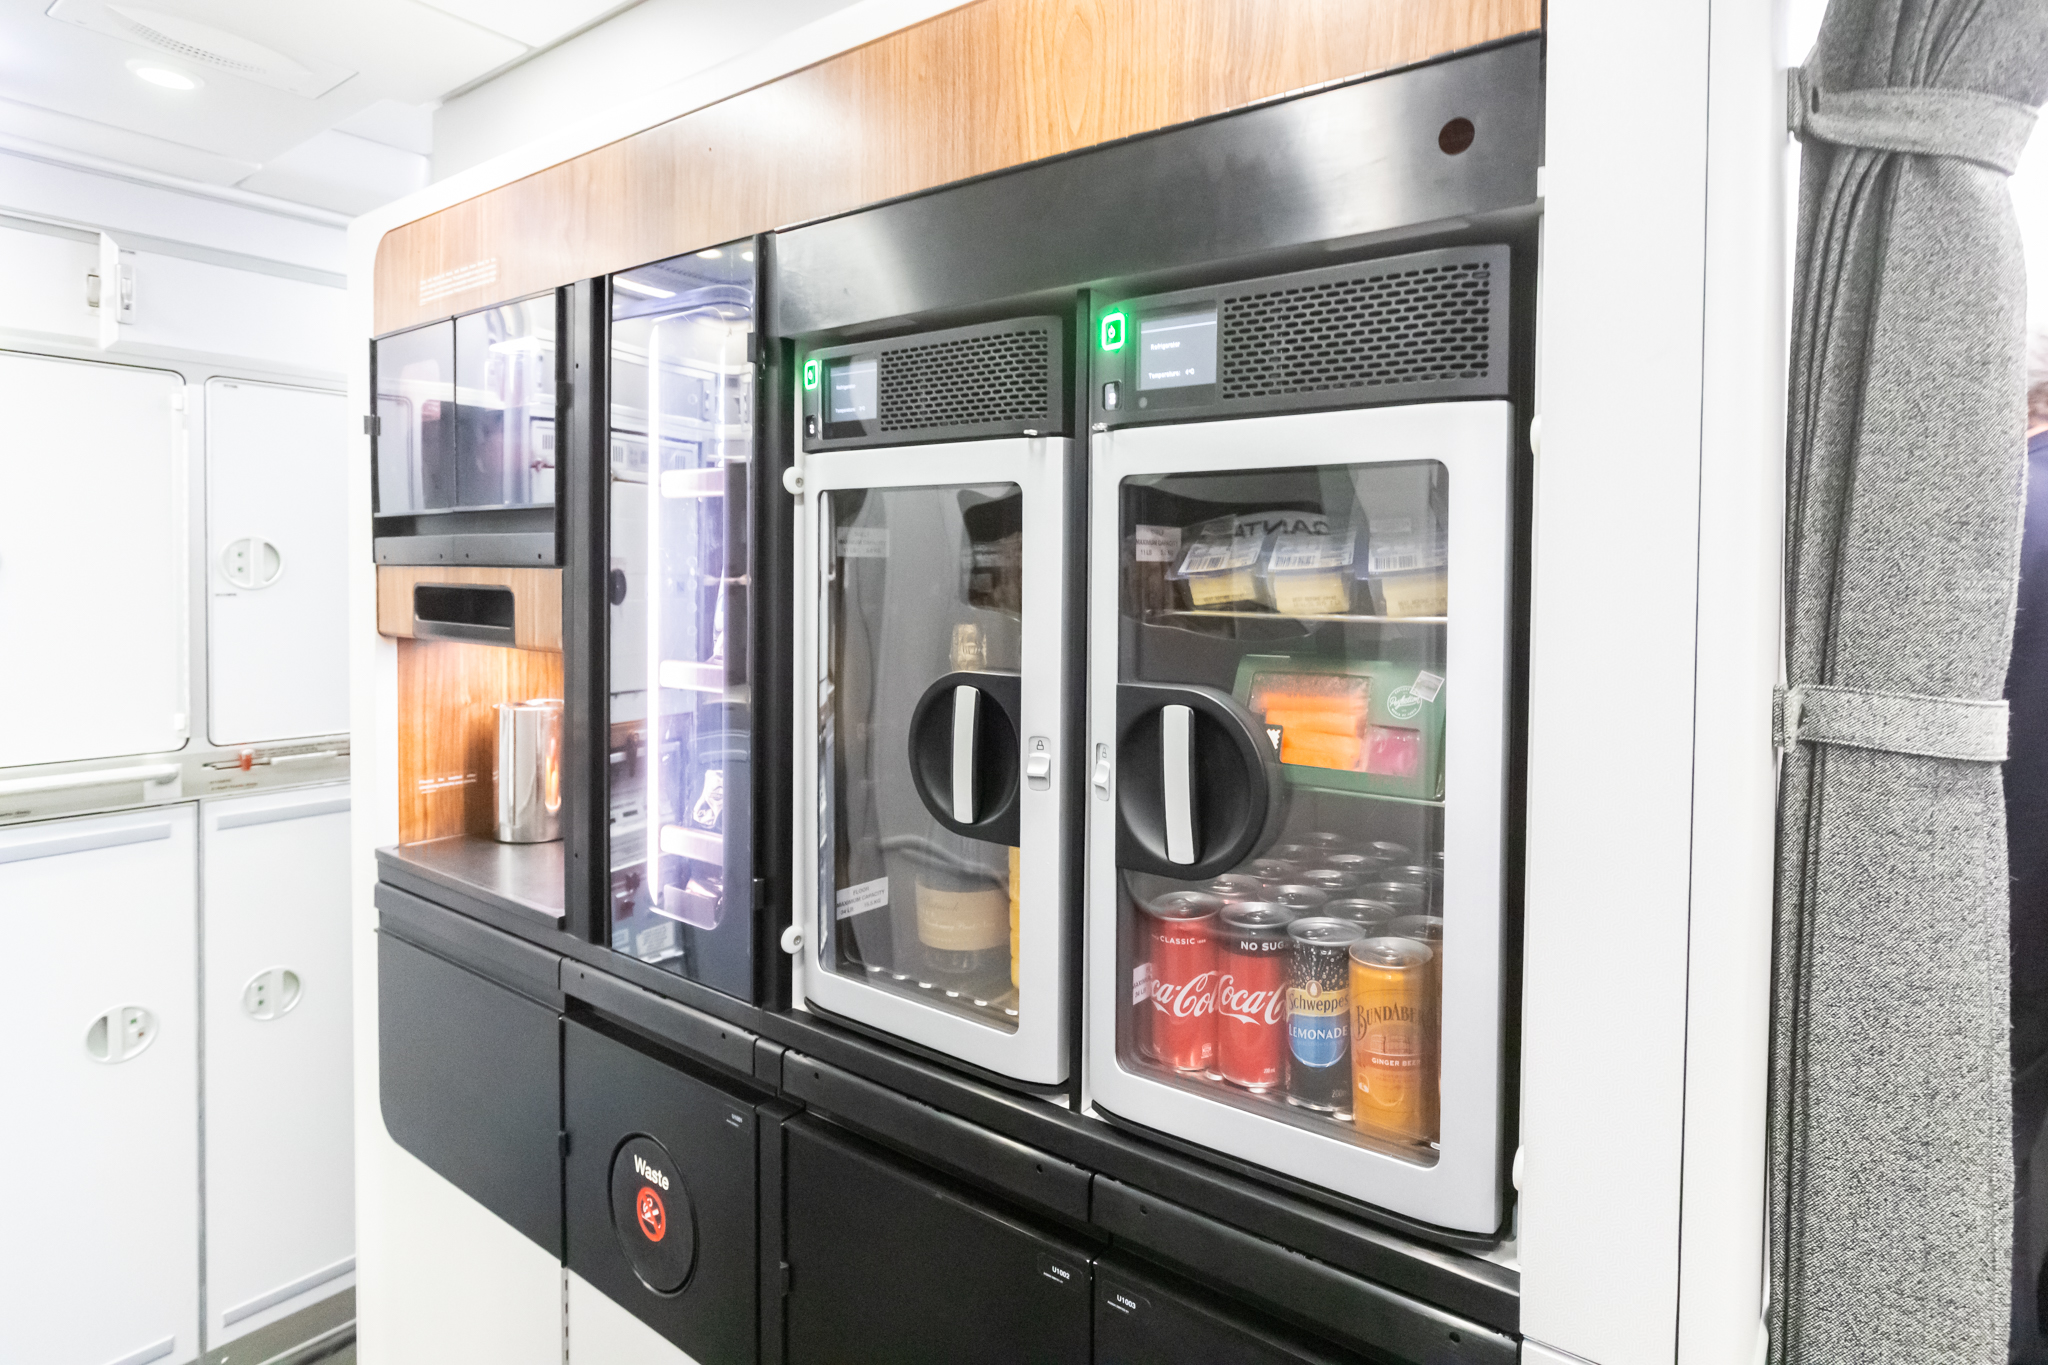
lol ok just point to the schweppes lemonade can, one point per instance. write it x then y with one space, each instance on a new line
1393 1039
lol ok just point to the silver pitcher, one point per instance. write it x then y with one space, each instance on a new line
530 771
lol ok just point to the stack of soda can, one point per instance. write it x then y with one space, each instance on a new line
1313 974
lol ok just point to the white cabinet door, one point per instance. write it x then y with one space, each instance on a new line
100 1204
92 559
280 1187
276 563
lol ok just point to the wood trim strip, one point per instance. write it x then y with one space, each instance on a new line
536 600
982 88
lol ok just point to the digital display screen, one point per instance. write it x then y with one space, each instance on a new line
850 390
1177 351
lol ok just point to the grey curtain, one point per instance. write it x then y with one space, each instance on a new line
1891 1163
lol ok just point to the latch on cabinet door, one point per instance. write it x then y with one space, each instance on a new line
271 994
122 1032
251 562
1038 763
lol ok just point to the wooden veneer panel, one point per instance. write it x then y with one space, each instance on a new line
988 86
448 693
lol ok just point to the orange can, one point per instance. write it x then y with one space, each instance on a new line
1393 1039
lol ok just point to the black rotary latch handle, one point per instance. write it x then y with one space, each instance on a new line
1198 786
964 752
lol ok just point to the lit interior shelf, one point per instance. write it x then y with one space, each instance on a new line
1347 617
684 842
691 677
693 483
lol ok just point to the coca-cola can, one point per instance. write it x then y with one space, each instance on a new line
1388 849
1251 995
1180 962
1319 1012
1300 897
1235 887
1273 871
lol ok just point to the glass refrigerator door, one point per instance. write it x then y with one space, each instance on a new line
934 654
681 714
1297 705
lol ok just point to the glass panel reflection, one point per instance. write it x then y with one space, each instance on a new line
681 723
1305 982
918 583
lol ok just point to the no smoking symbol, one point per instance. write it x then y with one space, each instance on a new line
653 1217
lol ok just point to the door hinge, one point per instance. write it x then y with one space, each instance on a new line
784 1275
562 1139
373 425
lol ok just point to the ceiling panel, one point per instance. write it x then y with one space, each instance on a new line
535 23
400 50
68 133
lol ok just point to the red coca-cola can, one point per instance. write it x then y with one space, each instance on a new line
1180 969
1251 995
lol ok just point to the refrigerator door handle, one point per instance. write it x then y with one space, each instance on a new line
1198 787
1176 761
966 758
966 702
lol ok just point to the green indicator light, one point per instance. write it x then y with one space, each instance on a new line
810 375
1113 328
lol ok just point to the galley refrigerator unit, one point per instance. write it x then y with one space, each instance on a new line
1301 546
930 839
673 825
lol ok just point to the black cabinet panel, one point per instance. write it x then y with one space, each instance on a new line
1139 1320
469 1082
660 1186
889 1267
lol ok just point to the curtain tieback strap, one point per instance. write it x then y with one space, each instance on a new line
1924 120
1894 722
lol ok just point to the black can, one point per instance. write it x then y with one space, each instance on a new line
1319 1013
1371 915
1333 881
1429 879
1364 866
1406 897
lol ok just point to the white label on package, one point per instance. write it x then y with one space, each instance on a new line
1141 983
1406 553
1210 556
1299 552
1426 686
858 900
1157 544
863 542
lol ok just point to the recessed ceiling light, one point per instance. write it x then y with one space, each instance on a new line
746 255
167 77
632 286
711 254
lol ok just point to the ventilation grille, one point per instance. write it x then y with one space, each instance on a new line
968 381
1430 324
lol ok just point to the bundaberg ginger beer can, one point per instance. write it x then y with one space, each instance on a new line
1393 1039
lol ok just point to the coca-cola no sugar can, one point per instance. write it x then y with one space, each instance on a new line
1251 995
1180 958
